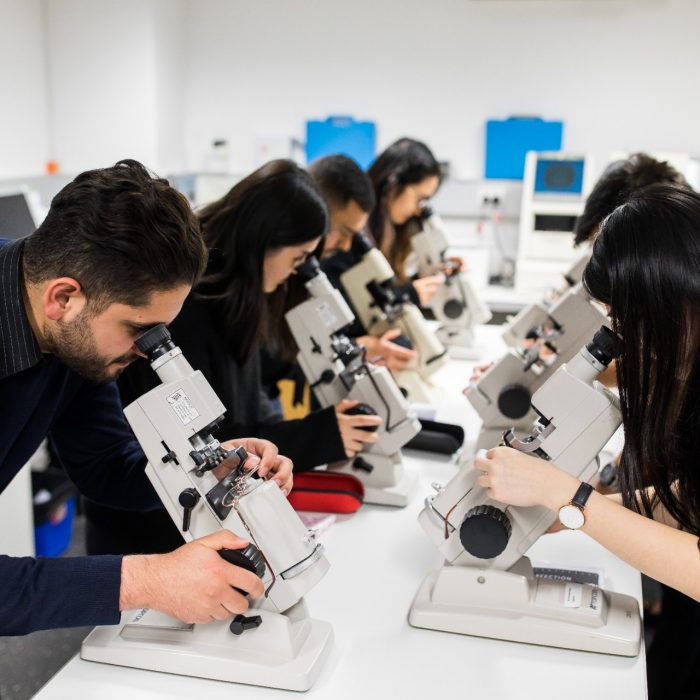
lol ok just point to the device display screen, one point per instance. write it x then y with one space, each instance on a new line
15 218
559 176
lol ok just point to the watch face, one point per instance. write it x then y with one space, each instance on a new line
571 517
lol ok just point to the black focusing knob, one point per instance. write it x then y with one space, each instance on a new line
363 465
363 409
249 558
241 623
188 499
485 531
403 341
453 308
514 401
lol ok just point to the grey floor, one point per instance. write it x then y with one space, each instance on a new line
28 662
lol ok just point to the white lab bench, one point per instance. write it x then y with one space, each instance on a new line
378 557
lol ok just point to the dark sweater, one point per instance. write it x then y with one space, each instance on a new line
308 442
90 438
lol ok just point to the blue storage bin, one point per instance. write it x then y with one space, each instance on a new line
341 134
53 514
508 140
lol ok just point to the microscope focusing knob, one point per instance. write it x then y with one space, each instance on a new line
363 465
250 558
453 308
514 401
241 623
485 531
188 499
363 409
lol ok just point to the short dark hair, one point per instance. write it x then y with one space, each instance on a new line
341 180
617 184
121 233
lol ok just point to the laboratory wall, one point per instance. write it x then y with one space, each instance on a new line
86 82
24 127
620 73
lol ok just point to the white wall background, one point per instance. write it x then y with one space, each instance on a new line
160 79
23 89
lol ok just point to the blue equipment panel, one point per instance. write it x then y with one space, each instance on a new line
340 134
508 140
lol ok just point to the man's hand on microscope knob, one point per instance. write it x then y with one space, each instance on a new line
193 583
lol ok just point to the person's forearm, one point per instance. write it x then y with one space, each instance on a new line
654 548
134 591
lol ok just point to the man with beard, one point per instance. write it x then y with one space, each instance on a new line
117 254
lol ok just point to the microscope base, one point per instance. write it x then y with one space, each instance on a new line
286 651
520 608
397 495
459 343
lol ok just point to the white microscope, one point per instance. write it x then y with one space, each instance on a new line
276 644
502 395
335 367
369 285
487 587
456 305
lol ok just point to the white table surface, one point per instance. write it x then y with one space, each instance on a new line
378 557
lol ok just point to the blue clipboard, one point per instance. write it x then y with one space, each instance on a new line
341 134
508 140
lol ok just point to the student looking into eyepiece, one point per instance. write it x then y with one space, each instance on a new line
258 234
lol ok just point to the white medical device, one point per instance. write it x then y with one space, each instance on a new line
487 587
276 644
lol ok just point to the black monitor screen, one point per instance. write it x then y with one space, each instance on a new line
15 218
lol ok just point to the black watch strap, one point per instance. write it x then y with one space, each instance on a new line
581 495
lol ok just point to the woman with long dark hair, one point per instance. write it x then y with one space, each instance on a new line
405 177
646 268
258 234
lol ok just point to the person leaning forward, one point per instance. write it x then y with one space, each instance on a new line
117 254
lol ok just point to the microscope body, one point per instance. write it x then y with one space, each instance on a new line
502 395
335 369
487 585
456 304
173 423
516 331
369 284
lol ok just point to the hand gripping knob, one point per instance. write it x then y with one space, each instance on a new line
485 531
363 409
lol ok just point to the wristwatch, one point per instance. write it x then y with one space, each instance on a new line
571 515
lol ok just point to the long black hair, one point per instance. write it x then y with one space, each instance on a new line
276 206
646 267
405 162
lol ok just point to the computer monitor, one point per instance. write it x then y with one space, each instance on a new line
16 219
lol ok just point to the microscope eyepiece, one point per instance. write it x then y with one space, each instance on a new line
309 269
155 342
426 213
362 243
604 346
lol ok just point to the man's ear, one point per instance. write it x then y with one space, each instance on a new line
63 299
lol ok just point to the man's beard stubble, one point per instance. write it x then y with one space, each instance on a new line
74 345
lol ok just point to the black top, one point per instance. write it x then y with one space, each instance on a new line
90 437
